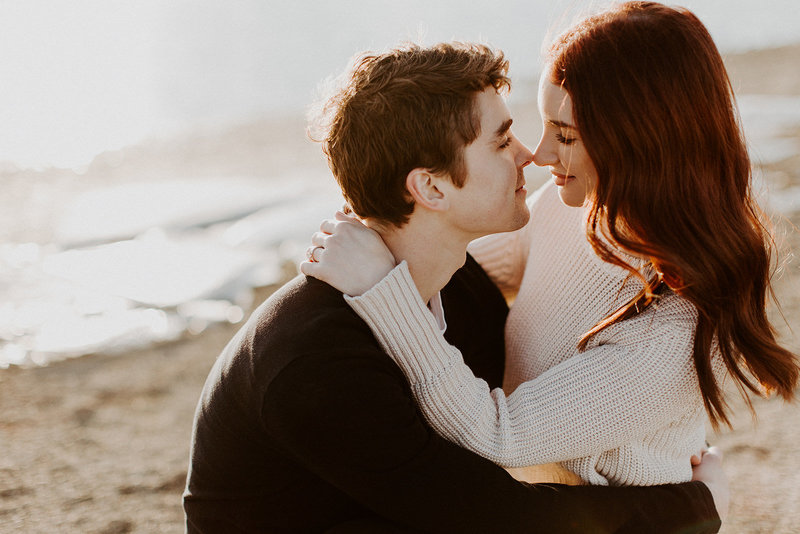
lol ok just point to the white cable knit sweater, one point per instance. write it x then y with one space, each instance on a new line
627 411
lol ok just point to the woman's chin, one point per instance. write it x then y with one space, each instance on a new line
569 198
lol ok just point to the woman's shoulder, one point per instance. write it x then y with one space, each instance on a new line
550 216
546 199
668 322
673 308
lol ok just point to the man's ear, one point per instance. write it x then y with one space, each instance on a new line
424 188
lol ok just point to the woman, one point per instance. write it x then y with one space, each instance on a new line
640 130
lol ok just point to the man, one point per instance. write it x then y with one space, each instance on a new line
306 425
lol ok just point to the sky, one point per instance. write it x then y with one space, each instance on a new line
85 76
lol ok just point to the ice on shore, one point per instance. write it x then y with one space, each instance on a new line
119 296
142 263
198 251
770 124
126 210
162 272
787 201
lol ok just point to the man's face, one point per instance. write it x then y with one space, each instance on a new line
493 196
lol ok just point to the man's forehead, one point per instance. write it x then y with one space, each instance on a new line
495 117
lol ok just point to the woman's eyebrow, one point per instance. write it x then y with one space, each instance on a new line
561 124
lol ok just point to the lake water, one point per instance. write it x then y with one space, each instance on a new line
136 263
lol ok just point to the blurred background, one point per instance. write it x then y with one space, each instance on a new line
157 183
169 138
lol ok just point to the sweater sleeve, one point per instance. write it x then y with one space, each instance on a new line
593 402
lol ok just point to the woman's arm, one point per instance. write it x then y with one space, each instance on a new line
595 401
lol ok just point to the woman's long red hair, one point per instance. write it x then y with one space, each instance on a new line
655 110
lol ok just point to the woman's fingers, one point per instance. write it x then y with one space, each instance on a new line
328 226
342 216
348 255
318 239
710 472
341 222
714 452
309 268
314 253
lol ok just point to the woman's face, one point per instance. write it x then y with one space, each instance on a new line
560 147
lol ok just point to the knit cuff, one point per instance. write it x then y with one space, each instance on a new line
403 325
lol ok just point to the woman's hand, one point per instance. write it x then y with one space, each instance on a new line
347 255
709 471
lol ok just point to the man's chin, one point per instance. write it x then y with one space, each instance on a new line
523 219
518 221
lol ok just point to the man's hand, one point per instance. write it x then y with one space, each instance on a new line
347 255
710 472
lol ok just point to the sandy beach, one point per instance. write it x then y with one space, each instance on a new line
99 444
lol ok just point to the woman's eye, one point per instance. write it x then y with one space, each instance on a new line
565 140
506 142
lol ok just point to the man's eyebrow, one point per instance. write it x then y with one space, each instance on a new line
504 128
561 124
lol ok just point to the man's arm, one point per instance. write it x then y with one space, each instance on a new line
351 420
371 525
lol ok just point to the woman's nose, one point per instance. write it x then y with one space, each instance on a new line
545 153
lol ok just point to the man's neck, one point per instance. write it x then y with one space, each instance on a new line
433 254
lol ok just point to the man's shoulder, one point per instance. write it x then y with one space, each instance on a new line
469 289
304 319
476 312
304 304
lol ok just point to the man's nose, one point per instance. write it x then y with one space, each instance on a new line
524 156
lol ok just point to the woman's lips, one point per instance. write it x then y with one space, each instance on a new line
561 179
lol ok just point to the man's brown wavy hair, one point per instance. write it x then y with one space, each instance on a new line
656 112
411 107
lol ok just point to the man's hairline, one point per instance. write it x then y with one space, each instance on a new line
502 129
459 155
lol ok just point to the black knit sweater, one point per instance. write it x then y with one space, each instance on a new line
306 425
